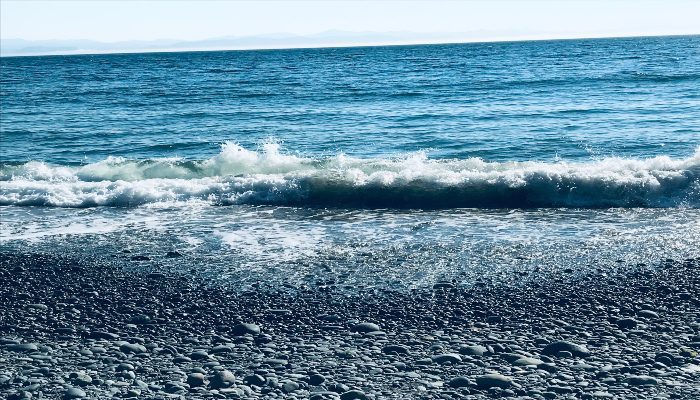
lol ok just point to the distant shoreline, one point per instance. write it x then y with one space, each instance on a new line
329 46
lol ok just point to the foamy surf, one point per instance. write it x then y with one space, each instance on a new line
269 177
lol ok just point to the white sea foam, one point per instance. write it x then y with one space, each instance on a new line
240 176
276 241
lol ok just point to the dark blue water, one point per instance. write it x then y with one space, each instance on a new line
444 155
499 101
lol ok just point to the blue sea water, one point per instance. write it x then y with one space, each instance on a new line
362 164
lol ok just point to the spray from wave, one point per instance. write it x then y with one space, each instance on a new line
268 177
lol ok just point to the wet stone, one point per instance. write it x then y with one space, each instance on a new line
353 395
475 350
132 348
254 379
22 347
245 329
316 379
289 387
447 358
564 346
493 380
195 379
365 327
627 323
74 393
222 379
460 381
648 314
397 349
641 380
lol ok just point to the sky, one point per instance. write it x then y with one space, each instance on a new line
111 21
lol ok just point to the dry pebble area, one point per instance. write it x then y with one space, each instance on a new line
73 329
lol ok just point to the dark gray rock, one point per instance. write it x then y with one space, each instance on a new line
221 349
338 387
124 367
132 348
81 379
21 395
627 323
493 380
195 379
245 329
141 319
447 358
316 379
641 380
199 355
365 327
290 386
222 379
173 387
526 361
353 395
103 335
648 314
394 348
22 347
324 395
476 350
577 350
254 379
73 393
459 382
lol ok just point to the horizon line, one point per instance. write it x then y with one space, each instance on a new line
338 46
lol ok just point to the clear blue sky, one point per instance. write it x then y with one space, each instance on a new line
191 20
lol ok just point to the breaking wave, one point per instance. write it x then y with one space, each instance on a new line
268 177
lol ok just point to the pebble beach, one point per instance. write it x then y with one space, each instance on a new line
87 328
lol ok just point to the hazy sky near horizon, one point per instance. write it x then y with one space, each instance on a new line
111 21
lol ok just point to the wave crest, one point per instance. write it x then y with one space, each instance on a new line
268 177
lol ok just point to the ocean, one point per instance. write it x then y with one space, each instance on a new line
396 166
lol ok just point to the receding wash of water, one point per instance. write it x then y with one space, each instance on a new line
426 220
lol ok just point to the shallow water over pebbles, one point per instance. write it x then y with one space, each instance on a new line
385 248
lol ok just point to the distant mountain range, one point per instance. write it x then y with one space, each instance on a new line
17 47
21 47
